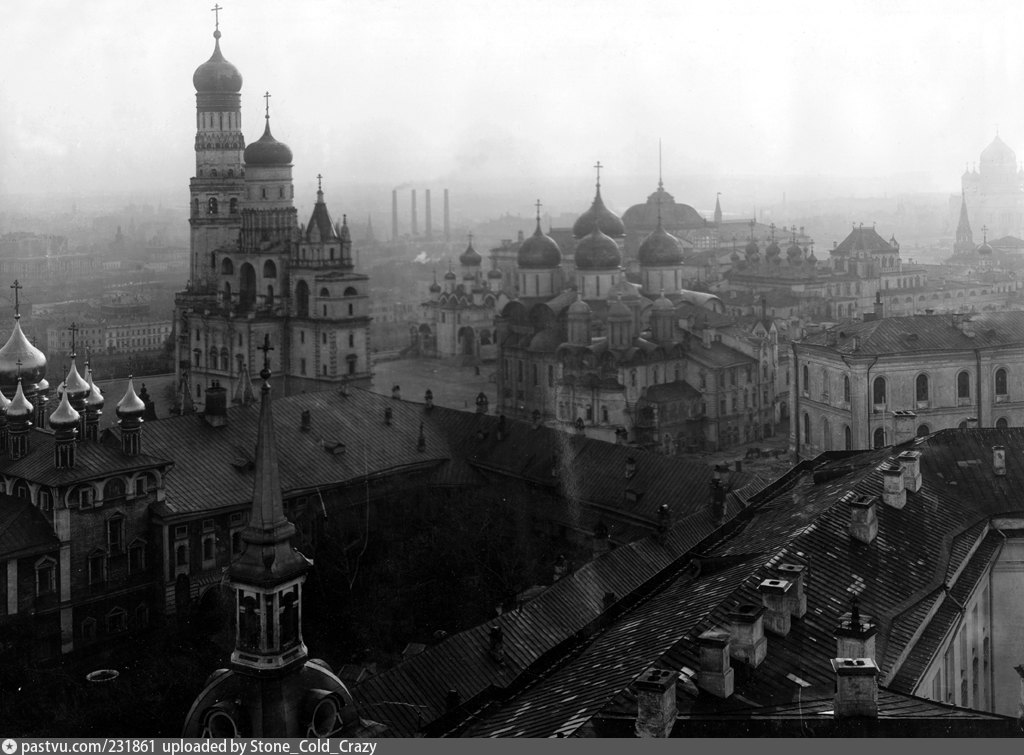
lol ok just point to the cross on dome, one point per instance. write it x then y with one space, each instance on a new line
266 98
216 16
73 328
17 287
598 166
266 348
538 205
319 184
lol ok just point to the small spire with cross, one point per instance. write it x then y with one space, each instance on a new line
266 100
660 184
73 329
17 309
598 167
538 205
266 348
470 236
319 184
216 16
984 234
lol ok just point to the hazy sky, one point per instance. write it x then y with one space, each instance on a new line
98 96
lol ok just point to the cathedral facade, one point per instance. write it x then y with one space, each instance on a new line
994 192
255 271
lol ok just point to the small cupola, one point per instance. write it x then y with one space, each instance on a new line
64 421
93 407
129 414
19 421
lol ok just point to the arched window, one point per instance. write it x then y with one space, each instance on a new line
807 427
270 296
1002 424
211 206
921 387
1000 382
227 294
847 438
922 430
114 490
807 380
246 286
351 292
963 385
846 388
269 269
324 293
195 206
302 299
826 435
233 204
878 390
824 384
225 359
21 490
879 438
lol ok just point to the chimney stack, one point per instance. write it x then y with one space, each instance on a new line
561 567
428 399
717 501
481 403
904 424
655 703
305 421
856 687
863 517
630 467
447 224
599 541
387 415
911 463
894 492
396 392
999 461
664 521
426 215
716 674
394 214
501 427
855 635
748 642
775 598
797 575
215 411
415 223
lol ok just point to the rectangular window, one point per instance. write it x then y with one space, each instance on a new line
551 376
207 525
302 366
209 549
302 336
46 578
180 531
136 558
97 569
351 340
115 535
86 497
949 692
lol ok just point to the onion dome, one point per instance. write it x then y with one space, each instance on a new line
471 257
95 399
4 403
794 252
450 275
606 220
130 406
773 250
597 252
268 151
19 349
65 417
751 248
494 273
539 252
75 386
663 304
217 76
735 256
984 249
660 248
435 287
619 311
579 307
20 407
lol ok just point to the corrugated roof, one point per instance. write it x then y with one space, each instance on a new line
92 460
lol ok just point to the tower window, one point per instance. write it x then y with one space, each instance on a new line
211 206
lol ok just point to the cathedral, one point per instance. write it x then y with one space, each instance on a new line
255 270
994 193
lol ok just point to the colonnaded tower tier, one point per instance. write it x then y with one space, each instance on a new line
256 271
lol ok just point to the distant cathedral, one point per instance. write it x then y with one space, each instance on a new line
994 193
255 271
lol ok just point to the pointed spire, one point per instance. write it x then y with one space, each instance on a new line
244 393
718 209
598 166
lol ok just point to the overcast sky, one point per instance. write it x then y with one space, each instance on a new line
98 96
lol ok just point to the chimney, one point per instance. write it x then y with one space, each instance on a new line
999 461
387 415
452 700
655 703
415 224
746 633
501 427
894 492
775 598
797 575
497 644
394 214
561 567
421 441
216 410
716 674
447 224
911 463
972 423
621 436
863 517
855 635
481 403
664 521
304 421
967 326
630 467
396 392
856 687
426 215
904 424
717 500
599 542
428 399
879 307
929 311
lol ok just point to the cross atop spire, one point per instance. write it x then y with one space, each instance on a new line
319 183
538 205
470 237
598 167
216 16
73 329
17 287
266 348
266 98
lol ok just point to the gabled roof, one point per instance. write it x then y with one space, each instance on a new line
863 239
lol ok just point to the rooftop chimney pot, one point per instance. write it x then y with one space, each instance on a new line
655 703
999 461
716 674
747 634
856 687
894 492
863 517
774 597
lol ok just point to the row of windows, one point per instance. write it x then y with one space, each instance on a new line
114 491
879 438
115 621
922 386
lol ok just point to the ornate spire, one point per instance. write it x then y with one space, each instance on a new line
598 166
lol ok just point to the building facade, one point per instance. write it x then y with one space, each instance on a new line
994 192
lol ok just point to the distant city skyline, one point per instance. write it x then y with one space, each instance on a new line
522 97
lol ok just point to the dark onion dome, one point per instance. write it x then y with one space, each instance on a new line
471 257
609 223
597 252
435 287
75 386
18 349
130 406
64 417
673 215
773 250
217 76
751 248
20 407
984 249
794 251
660 248
450 275
539 252
494 273
268 151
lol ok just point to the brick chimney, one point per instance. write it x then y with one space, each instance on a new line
856 687
717 501
863 517
428 399
655 703
747 634
716 674
561 567
796 598
894 492
999 461
911 463
904 424
600 540
775 599
664 520
396 392
630 467
305 423
855 634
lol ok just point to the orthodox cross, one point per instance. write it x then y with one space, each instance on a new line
266 97
266 348
319 185
17 287
984 234
74 329
598 166
470 235
538 205
216 16
19 369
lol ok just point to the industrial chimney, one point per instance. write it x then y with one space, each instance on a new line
394 214
426 216
415 225
447 221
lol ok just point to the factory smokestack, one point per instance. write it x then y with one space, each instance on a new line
447 223
394 215
426 215
415 225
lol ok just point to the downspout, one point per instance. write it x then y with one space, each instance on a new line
977 359
796 400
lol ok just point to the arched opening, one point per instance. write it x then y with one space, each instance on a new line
878 391
878 440
247 286
921 388
227 267
963 385
1001 382
467 341
847 438
325 294
922 430
211 206
227 294
826 435
302 299
225 359
807 427
1002 423
269 269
